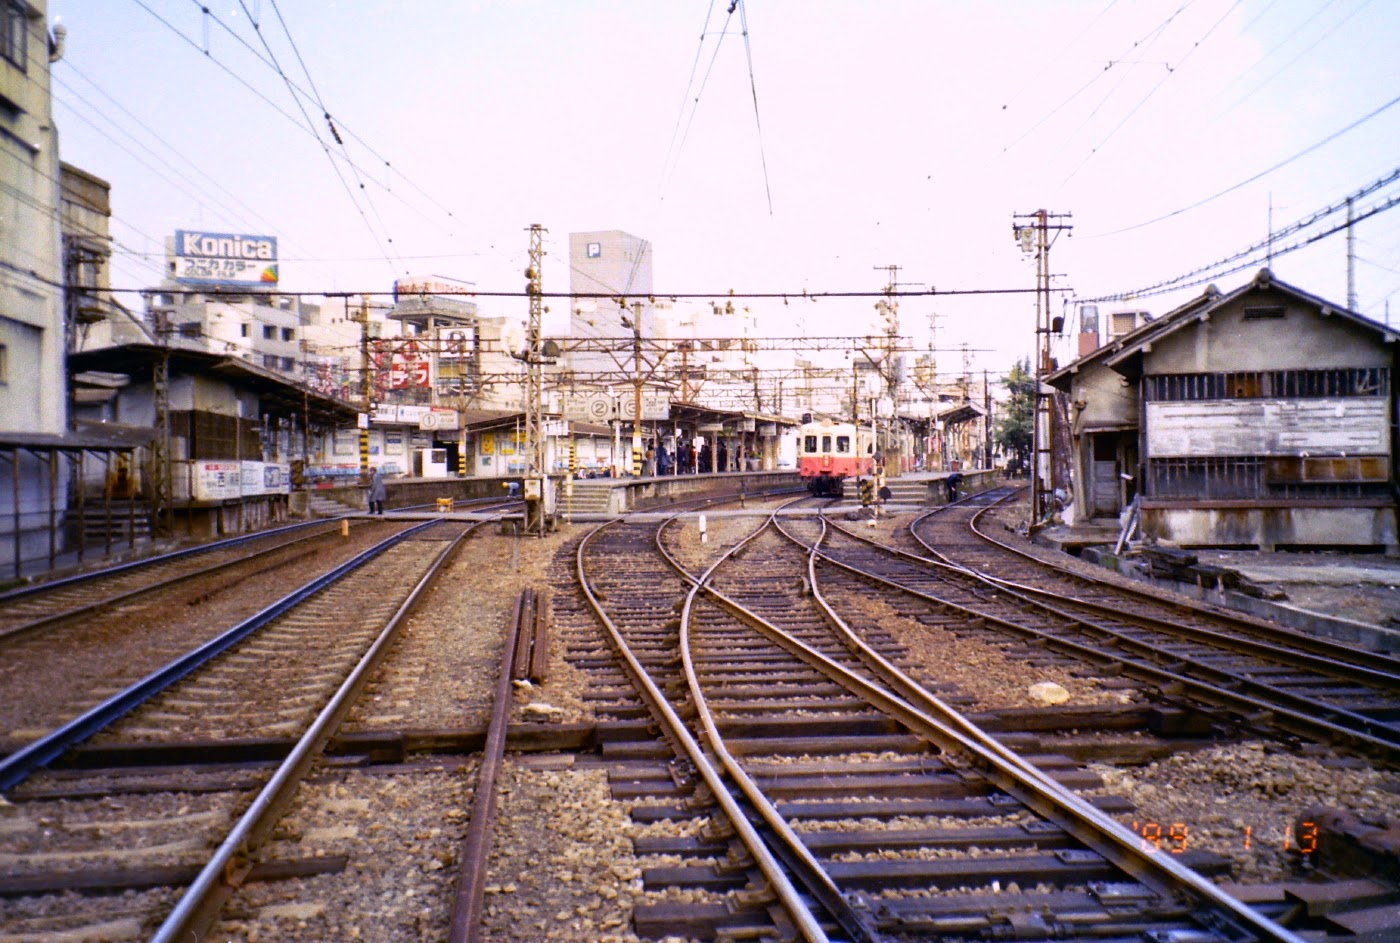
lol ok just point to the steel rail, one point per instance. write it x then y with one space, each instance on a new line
1324 648
929 717
48 585
464 926
17 630
795 852
24 761
1345 671
680 736
1296 721
199 906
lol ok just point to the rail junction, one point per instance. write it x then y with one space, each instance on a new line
795 723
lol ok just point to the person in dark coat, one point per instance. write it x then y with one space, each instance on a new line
953 481
377 492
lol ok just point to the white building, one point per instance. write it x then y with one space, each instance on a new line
32 387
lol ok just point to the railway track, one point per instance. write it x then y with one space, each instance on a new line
808 738
128 810
1266 675
766 755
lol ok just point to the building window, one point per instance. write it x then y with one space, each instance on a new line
4 363
243 330
191 329
1264 312
289 364
270 361
288 334
14 34
1268 384
269 332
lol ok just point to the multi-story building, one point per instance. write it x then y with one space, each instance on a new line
32 388
604 268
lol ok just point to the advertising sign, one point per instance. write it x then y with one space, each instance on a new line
215 481
455 343
400 365
225 258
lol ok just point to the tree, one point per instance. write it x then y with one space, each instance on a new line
1013 430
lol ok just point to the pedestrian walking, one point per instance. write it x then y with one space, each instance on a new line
377 492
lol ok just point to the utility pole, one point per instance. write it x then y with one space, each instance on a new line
987 417
162 497
536 480
366 388
888 308
1351 258
1032 231
636 381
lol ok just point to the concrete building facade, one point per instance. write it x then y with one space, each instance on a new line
32 341
604 265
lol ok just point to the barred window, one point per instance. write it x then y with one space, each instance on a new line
14 34
1268 384
1260 477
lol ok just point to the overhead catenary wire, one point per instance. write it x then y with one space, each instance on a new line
1171 71
1301 224
1256 177
753 87
325 149
1318 39
792 296
1150 39
1273 252
673 156
340 125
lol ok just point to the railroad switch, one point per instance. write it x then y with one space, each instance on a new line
757 893
700 799
735 860
719 828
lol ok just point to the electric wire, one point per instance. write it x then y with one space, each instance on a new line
1274 252
1055 57
753 87
695 108
1320 38
325 149
1259 176
685 97
1297 226
288 115
1171 71
1150 39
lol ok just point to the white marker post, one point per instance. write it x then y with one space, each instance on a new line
700 525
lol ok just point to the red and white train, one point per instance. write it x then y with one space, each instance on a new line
830 452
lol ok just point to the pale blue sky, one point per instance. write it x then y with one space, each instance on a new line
900 131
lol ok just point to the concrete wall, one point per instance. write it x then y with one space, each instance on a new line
1270 528
1300 340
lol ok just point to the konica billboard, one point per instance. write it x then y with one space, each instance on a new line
225 258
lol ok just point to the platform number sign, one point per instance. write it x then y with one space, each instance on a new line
600 409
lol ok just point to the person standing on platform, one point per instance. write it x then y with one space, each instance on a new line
377 492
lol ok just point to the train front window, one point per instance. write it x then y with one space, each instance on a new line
843 444
826 444
809 444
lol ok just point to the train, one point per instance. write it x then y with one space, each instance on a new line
829 452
